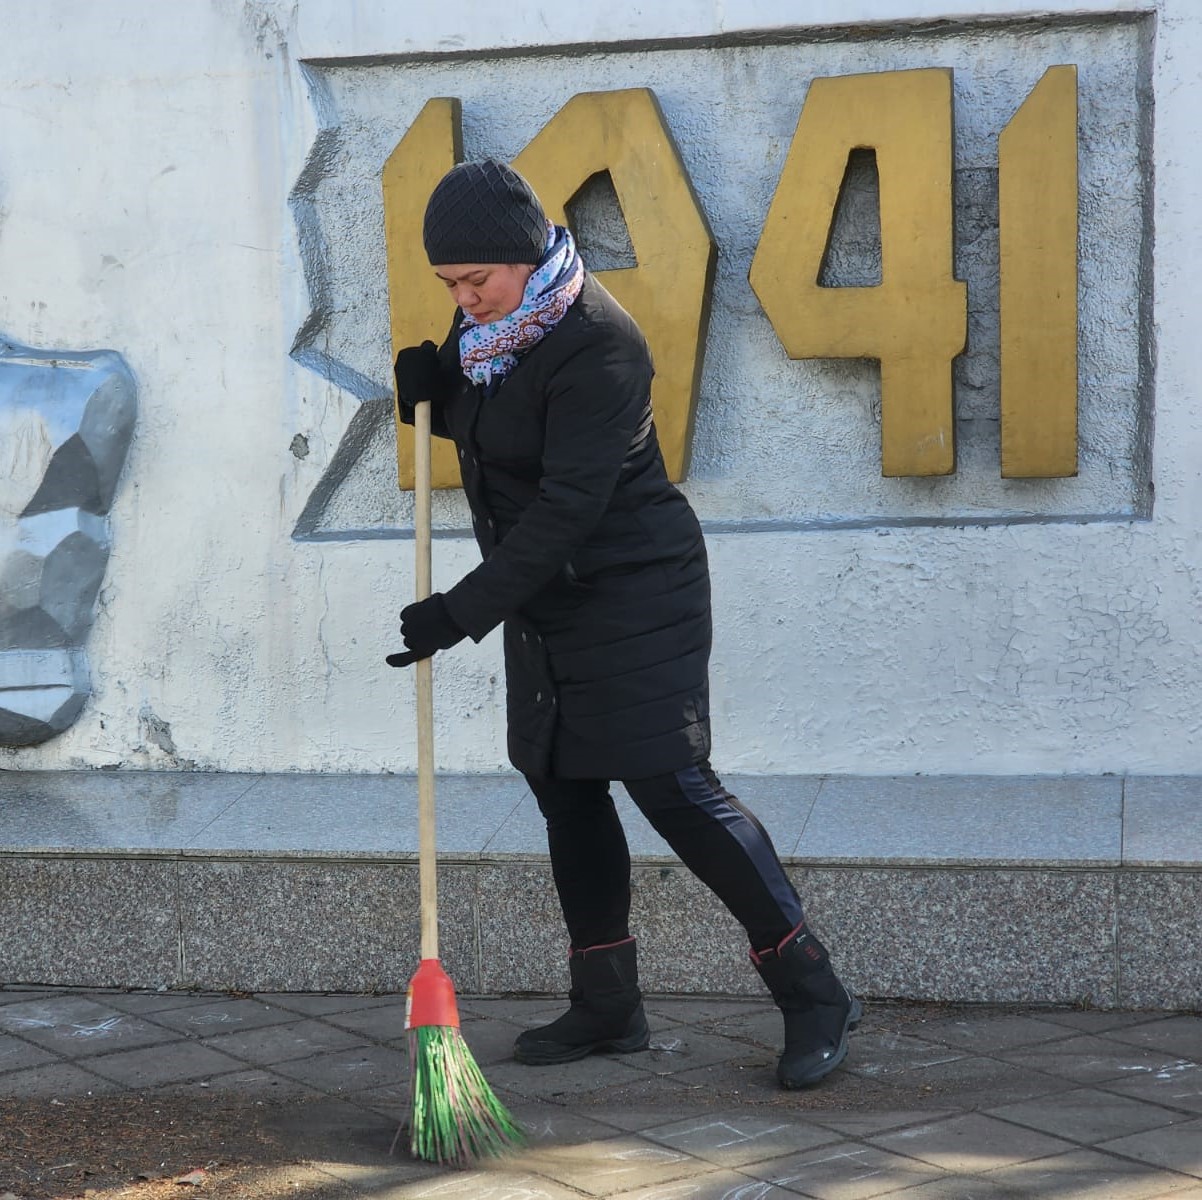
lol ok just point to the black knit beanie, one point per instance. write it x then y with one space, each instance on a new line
484 212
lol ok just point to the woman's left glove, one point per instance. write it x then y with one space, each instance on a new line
426 628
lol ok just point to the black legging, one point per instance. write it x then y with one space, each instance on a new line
713 834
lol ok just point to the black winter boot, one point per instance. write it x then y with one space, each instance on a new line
606 1012
819 1011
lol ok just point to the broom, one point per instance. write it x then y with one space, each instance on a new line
454 1117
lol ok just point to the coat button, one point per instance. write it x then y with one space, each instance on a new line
462 452
523 635
538 699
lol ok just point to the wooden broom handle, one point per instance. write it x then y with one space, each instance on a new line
427 841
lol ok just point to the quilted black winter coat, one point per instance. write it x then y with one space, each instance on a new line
593 561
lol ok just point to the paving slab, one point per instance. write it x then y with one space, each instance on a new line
351 1070
684 1048
968 1187
310 1004
154 1066
1087 1115
143 1003
16 1055
1092 1059
274 1044
50 1080
16 994
1178 1036
551 1124
568 1079
77 1026
1003 1032
1177 1086
350 1144
710 1184
1095 1020
963 1144
1176 1147
220 1014
733 1138
713 1012
613 1165
865 1124
1088 1173
845 1171
249 1082
379 1023
892 1053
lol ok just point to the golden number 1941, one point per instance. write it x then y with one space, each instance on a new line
914 321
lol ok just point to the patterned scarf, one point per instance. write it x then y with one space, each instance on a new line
488 353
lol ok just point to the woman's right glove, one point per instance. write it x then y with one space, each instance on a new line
418 376
426 628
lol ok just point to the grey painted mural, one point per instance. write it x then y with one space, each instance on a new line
66 420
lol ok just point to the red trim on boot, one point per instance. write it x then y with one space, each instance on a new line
601 946
798 931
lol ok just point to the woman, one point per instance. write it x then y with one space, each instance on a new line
596 566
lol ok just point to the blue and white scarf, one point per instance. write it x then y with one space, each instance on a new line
487 353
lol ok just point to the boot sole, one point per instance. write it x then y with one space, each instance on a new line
852 1021
855 1016
565 1054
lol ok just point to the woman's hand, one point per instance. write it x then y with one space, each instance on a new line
417 375
426 628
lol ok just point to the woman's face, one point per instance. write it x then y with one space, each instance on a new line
489 291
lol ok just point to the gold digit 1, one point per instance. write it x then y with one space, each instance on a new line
417 301
1037 237
915 320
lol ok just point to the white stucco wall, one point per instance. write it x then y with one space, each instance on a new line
147 154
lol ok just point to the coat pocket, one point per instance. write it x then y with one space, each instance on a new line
531 700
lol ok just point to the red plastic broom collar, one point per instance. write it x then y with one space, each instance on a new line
431 999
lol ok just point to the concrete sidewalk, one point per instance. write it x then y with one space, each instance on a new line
935 1101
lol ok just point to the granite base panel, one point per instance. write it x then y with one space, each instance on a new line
89 922
1160 947
1101 938
325 926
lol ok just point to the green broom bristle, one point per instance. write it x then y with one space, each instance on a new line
454 1117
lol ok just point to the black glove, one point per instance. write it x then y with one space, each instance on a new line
418 376
426 628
